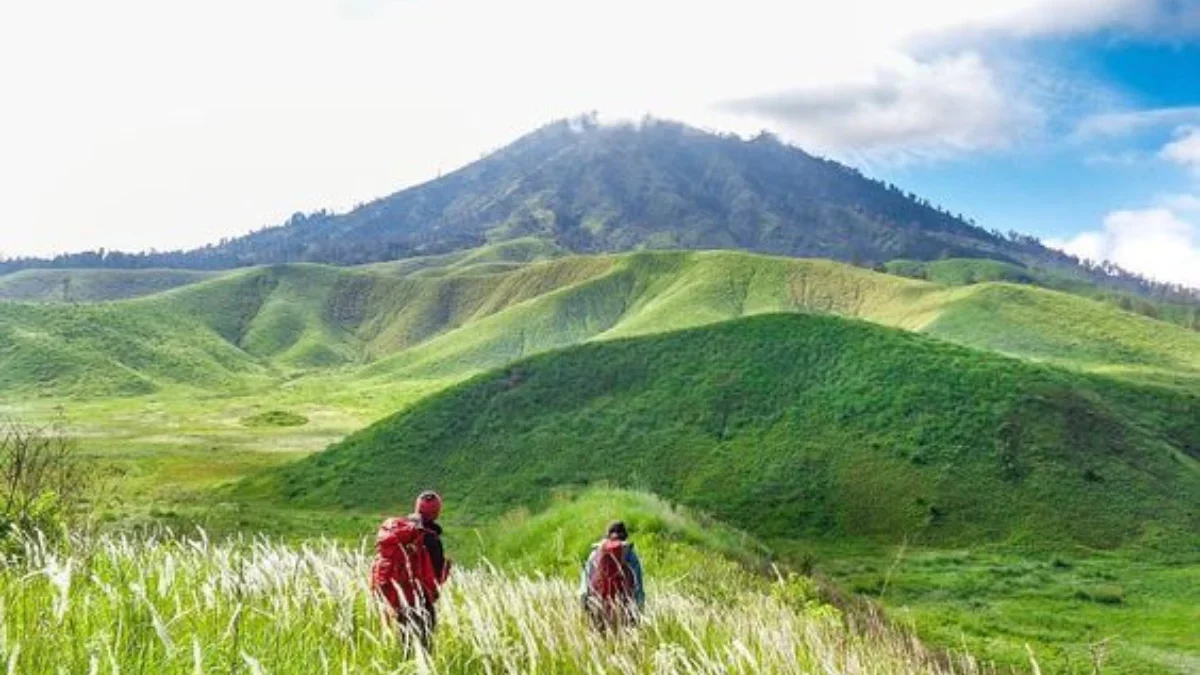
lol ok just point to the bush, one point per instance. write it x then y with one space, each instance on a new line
1104 595
44 484
275 418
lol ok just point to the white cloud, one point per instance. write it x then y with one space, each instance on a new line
1124 123
1122 158
1185 149
907 109
139 123
1180 203
1154 242
1040 18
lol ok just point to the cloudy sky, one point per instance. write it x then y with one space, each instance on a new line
132 124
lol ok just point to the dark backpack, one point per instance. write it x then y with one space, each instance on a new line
611 577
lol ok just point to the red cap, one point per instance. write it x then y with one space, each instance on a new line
429 505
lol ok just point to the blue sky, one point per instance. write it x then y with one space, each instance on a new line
137 124
1057 187
1063 185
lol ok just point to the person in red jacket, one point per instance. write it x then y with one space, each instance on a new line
411 566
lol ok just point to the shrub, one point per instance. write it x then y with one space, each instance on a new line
275 418
1104 595
45 484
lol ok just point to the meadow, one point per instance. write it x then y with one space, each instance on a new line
187 604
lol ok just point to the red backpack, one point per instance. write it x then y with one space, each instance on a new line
612 577
402 564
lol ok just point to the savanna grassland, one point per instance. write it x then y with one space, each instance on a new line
1001 464
190 605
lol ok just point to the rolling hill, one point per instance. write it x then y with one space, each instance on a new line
795 425
446 319
92 285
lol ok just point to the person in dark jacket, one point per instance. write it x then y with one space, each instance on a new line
424 618
411 566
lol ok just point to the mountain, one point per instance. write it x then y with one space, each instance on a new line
584 187
789 426
439 320
592 188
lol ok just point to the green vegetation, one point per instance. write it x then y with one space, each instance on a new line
499 257
92 285
967 271
833 428
673 541
114 349
187 606
275 418
1133 611
446 320
961 271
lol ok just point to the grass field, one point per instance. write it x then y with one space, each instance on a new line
192 606
1130 611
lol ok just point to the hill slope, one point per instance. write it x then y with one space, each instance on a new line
648 293
450 318
92 285
794 425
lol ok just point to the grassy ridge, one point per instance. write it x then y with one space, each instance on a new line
114 350
967 271
87 285
655 292
451 319
673 540
1068 330
830 428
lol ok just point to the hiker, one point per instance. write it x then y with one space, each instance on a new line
612 589
410 567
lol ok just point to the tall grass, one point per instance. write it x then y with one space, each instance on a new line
188 605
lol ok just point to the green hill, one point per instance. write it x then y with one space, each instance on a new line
794 425
648 293
92 285
554 540
962 271
114 349
967 271
450 318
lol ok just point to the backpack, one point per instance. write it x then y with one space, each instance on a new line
612 578
402 563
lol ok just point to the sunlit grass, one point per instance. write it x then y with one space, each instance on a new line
123 605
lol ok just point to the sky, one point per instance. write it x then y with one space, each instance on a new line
140 124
